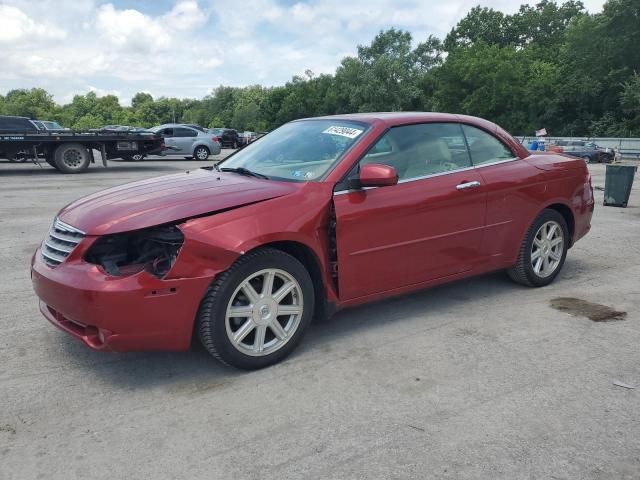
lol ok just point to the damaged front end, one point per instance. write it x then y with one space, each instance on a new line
153 250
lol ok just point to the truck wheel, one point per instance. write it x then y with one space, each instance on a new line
72 158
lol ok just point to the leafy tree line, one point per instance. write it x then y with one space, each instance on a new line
548 65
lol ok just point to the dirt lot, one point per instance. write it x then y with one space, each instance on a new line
479 379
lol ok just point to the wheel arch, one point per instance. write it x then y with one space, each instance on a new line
305 255
200 144
568 216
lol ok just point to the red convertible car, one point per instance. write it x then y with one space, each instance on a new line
318 215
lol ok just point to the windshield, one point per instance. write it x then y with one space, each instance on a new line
52 125
298 151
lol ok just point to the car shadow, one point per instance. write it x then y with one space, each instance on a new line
196 370
432 301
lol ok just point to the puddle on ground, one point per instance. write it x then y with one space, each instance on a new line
582 308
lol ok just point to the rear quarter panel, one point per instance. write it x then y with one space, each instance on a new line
521 189
567 182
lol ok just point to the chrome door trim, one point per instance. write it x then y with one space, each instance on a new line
507 160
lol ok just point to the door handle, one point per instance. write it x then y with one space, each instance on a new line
464 186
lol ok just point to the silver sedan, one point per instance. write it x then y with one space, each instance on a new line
187 141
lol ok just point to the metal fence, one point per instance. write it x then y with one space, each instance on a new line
625 148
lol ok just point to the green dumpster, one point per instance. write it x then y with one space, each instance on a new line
617 185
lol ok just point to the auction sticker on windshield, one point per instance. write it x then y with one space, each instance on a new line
348 132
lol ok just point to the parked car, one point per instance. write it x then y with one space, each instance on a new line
183 140
229 137
588 151
319 215
247 137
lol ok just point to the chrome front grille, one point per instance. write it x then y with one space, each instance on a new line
60 243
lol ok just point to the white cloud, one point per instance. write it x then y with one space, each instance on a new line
16 26
185 15
130 30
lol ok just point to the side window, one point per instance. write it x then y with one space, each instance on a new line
184 132
421 150
484 147
167 132
381 148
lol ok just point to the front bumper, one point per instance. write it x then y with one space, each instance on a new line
133 313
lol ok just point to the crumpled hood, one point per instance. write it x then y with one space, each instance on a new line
169 198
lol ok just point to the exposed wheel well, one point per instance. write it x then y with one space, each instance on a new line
309 259
568 217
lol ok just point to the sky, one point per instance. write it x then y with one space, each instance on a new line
185 48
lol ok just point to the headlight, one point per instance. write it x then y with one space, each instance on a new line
153 249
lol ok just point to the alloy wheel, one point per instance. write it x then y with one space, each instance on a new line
547 249
202 153
264 312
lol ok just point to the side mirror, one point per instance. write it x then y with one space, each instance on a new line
377 175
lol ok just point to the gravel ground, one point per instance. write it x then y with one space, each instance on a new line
477 379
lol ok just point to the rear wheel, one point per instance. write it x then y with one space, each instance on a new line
543 250
256 313
71 158
201 153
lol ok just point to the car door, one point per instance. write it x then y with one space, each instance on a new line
513 190
185 137
169 140
427 227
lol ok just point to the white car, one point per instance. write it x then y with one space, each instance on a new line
187 141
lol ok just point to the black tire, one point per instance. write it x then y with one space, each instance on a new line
71 158
201 153
587 159
211 318
523 272
137 157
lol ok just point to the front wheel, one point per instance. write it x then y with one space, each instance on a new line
543 250
586 159
256 312
201 153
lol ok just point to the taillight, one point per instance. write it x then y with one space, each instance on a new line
215 139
